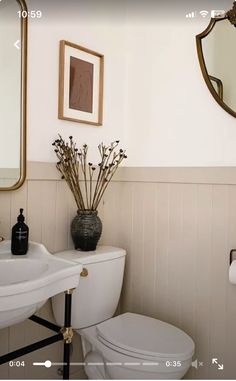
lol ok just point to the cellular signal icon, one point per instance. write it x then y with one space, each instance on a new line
191 15
203 13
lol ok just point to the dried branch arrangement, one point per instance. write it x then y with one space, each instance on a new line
76 170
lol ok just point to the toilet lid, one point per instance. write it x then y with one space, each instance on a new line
139 335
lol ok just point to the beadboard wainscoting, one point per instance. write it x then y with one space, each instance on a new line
178 226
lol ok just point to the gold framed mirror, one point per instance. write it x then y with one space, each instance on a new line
13 93
217 58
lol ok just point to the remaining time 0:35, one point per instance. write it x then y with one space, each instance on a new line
174 364
32 14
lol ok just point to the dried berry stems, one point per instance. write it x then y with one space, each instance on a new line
75 168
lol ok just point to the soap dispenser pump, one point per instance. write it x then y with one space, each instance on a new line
20 235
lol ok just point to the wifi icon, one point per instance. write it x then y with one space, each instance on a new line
203 13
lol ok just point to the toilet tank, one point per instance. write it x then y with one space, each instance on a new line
97 296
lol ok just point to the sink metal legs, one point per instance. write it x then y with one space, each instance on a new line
65 334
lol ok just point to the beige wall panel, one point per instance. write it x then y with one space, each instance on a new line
72 212
218 277
4 348
19 200
5 215
16 341
188 259
33 333
53 352
148 259
48 213
229 360
126 220
62 223
203 268
161 257
78 375
175 252
34 210
111 213
77 357
101 214
185 175
4 374
137 248
17 332
177 237
187 262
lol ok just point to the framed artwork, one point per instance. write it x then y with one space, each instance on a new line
80 84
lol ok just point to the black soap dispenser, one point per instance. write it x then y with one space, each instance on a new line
20 235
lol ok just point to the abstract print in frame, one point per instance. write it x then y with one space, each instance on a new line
80 84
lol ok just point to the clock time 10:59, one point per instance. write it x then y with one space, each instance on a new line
34 14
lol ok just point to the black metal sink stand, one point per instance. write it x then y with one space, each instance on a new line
65 333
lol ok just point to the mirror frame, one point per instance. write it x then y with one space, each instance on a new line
201 59
23 100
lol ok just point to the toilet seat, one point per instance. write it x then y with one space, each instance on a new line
145 338
133 358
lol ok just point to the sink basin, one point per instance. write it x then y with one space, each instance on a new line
27 281
14 271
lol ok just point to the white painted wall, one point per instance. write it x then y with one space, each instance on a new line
155 102
96 31
176 122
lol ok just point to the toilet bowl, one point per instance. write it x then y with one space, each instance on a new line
127 346
132 346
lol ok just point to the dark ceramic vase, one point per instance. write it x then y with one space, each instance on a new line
86 229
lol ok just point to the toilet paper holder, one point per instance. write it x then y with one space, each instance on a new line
231 254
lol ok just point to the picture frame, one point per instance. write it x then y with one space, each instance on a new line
80 84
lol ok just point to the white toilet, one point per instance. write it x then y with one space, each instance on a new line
128 346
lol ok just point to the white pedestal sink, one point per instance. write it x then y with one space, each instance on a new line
27 281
